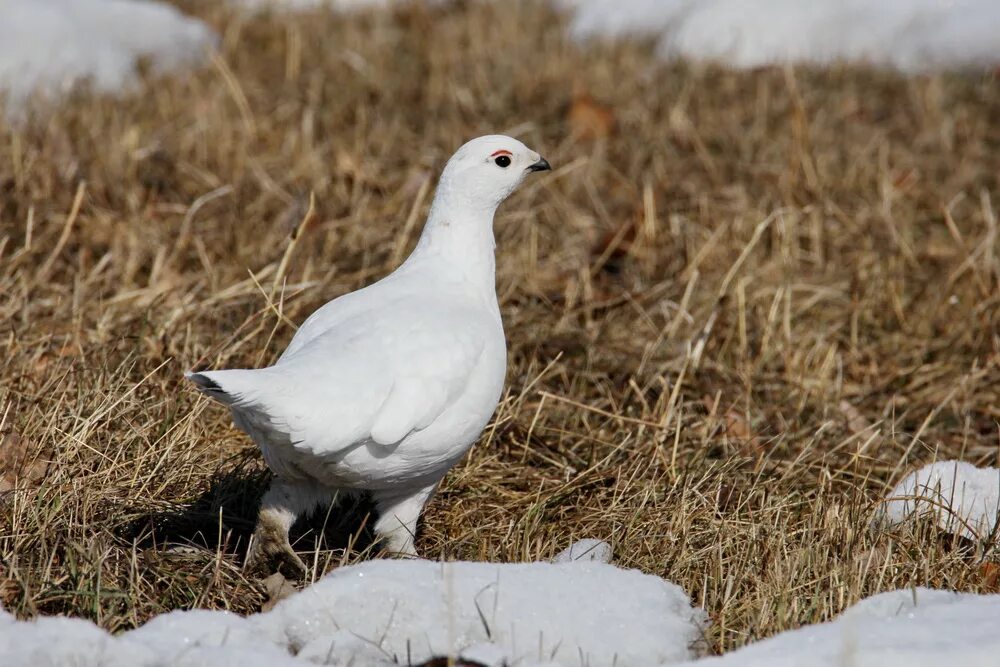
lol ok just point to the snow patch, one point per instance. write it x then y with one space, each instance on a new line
566 613
585 550
50 46
916 628
179 633
381 613
56 640
961 498
912 35
386 612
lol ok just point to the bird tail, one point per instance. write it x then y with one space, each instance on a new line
226 387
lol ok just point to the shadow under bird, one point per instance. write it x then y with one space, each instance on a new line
386 388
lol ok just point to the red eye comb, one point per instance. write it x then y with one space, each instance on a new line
501 152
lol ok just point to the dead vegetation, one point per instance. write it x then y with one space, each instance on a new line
740 307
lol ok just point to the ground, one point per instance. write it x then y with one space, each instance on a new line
739 309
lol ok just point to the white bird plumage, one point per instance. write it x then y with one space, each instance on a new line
386 388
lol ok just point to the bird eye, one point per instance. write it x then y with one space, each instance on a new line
503 161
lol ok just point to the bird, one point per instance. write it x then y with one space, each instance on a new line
384 389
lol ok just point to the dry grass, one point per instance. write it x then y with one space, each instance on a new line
732 322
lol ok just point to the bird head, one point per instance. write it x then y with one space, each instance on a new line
487 169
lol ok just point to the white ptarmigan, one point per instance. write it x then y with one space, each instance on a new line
386 388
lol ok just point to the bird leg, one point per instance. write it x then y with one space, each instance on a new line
270 550
398 512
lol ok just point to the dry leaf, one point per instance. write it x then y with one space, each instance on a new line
990 572
588 119
904 180
20 467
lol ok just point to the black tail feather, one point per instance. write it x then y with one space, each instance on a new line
208 386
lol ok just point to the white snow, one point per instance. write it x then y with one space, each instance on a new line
568 613
208 635
960 497
585 550
912 35
915 628
57 640
50 46
386 612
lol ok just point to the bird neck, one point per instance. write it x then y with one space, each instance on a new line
458 236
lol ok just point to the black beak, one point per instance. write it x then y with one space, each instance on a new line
541 165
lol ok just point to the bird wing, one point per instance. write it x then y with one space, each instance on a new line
344 308
375 377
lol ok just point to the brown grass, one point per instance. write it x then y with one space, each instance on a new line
732 322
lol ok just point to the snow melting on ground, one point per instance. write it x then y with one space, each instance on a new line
533 613
961 498
53 45
386 612
588 549
574 611
50 46
912 35
916 628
